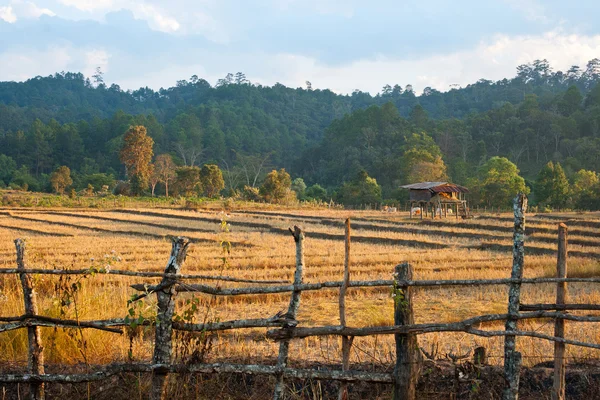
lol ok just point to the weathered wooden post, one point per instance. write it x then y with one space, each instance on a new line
558 389
35 357
290 316
512 358
165 293
346 340
421 206
406 371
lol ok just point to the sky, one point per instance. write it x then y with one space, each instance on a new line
337 45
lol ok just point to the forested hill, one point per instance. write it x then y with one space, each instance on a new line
536 116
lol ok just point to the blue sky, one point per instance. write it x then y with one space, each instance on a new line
341 45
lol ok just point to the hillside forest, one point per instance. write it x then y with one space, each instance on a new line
537 132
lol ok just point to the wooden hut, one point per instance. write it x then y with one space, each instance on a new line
437 198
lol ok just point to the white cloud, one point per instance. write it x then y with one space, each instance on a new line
28 9
20 65
531 9
22 9
93 59
494 59
88 5
156 18
7 14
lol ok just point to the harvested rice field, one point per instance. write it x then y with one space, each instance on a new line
263 249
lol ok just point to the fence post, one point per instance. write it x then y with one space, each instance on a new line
512 358
558 389
407 353
35 357
284 346
346 340
165 294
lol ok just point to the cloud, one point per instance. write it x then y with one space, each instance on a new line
95 58
89 5
7 14
156 18
493 59
18 9
29 10
22 64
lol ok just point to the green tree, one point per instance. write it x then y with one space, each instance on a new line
586 185
499 182
276 186
316 192
362 190
552 186
211 180
97 181
61 179
422 160
24 179
187 180
570 101
136 154
299 187
8 166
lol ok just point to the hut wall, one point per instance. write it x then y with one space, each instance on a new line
420 195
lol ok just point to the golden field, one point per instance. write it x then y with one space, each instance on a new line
262 248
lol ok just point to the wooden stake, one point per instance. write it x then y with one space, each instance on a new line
407 356
164 319
284 346
512 358
558 389
346 340
35 359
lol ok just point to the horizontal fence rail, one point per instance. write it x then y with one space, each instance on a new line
285 327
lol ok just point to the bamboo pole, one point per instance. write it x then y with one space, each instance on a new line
558 389
376 283
346 340
512 358
35 358
466 325
164 319
406 368
284 346
215 368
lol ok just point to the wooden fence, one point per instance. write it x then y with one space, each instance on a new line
285 325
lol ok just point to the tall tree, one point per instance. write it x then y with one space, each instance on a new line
499 182
164 169
187 181
362 190
61 179
211 180
136 154
277 186
552 186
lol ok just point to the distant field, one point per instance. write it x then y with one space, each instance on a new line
262 248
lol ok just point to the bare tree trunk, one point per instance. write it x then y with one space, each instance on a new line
406 371
558 390
164 319
35 359
512 358
346 340
284 346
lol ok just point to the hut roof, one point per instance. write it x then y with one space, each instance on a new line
437 187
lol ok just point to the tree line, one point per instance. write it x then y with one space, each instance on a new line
353 148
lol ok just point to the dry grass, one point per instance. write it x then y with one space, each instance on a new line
263 249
